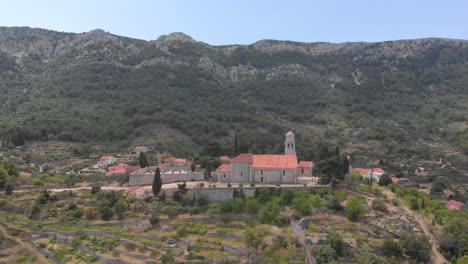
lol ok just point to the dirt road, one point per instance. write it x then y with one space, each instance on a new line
437 257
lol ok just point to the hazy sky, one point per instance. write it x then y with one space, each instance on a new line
243 21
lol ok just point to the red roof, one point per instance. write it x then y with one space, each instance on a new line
170 159
395 179
379 170
106 157
224 158
361 170
452 204
181 161
224 168
274 161
244 157
140 147
115 170
305 164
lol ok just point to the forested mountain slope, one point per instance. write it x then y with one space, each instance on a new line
407 97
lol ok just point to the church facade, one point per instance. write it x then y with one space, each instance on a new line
266 168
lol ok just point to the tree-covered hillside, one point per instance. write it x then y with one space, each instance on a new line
401 98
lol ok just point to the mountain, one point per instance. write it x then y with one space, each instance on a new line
400 98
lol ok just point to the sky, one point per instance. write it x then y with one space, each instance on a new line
220 22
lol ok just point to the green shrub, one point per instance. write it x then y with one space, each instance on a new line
95 189
354 209
8 188
251 205
154 218
311 228
130 246
181 232
105 212
229 185
379 205
77 214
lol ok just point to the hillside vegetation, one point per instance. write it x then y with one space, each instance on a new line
403 98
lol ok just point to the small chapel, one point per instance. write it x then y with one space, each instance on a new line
267 168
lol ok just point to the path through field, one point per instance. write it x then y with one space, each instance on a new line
437 257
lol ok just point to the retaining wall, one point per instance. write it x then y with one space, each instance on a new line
147 179
216 195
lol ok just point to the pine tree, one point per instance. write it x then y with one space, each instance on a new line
143 162
157 182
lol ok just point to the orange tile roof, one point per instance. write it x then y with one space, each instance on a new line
244 157
305 164
452 204
274 161
361 170
379 170
395 179
106 157
115 170
224 158
224 168
140 147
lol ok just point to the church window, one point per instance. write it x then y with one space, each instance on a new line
261 179
284 173
261 172
224 175
242 174
302 170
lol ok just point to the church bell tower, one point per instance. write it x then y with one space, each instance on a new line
289 144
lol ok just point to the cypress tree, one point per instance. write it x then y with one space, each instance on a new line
157 182
236 145
143 162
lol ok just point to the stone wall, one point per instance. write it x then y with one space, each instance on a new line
273 176
138 179
217 195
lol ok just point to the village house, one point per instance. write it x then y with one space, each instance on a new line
266 168
174 162
454 205
105 161
139 149
372 173
121 169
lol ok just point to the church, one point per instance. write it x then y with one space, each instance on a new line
266 168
